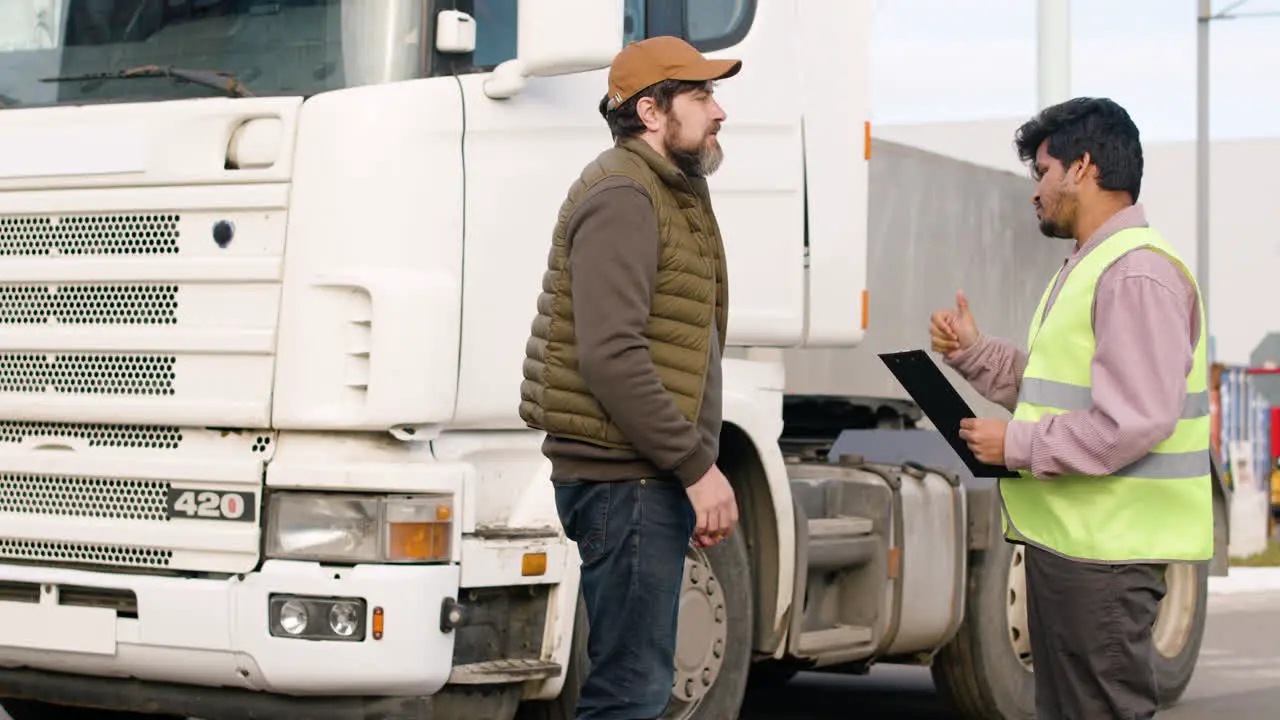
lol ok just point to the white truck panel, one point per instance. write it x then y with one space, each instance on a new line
835 76
372 289
753 403
183 142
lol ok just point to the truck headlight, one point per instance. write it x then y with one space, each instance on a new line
337 527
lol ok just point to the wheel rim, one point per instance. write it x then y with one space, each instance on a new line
701 635
1177 612
1019 632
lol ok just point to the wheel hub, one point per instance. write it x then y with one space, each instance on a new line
702 631
1019 632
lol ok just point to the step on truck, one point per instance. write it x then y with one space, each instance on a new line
268 271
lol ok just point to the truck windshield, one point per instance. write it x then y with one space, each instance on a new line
272 47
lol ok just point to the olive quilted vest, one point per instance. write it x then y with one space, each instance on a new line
691 289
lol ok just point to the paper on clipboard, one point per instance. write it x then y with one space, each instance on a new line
941 403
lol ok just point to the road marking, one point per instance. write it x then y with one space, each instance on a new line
1246 580
1244 602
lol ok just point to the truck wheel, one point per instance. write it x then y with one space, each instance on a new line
1179 628
713 646
36 710
1180 622
985 671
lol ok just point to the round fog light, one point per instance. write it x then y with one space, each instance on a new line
293 617
343 618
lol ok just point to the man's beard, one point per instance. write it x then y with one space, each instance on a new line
1051 228
702 160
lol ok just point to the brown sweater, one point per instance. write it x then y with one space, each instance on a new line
613 259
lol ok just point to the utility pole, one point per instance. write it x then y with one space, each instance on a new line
1053 48
1203 17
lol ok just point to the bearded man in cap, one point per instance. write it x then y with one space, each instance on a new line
623 367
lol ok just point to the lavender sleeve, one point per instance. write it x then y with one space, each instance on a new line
994 368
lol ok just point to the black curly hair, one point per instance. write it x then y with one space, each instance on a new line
1097 126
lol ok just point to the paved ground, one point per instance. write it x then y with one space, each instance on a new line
1238 676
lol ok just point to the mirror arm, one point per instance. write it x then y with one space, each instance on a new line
506 80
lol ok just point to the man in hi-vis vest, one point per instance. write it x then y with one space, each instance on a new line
1110 427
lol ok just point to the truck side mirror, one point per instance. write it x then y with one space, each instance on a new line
559 38
455 32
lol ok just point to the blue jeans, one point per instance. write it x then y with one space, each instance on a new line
632 536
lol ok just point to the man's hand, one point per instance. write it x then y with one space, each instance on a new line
953 330
715 505
985 438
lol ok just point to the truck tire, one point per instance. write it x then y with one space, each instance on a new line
713 651
1179 629
716 595
985 671
36 710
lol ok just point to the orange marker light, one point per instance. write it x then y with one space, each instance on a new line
866 308
377 623
533 564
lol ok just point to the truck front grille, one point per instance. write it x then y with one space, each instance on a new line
100 374
73 553
132 304
99 234
88 497
150 437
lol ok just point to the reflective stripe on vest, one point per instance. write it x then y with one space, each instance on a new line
1157 508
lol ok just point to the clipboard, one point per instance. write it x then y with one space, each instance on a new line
940 401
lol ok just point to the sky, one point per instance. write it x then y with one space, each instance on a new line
950 60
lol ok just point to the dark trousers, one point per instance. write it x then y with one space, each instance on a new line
632 536
1091 637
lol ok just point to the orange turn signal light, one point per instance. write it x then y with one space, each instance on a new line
418 541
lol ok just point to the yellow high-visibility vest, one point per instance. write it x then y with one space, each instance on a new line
1158 508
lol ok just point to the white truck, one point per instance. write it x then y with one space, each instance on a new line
260 345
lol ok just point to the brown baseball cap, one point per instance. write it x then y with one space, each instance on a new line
646 62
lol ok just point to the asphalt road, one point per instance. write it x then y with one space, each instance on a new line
1238 677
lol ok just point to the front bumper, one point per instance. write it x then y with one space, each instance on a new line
214 633
183 701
